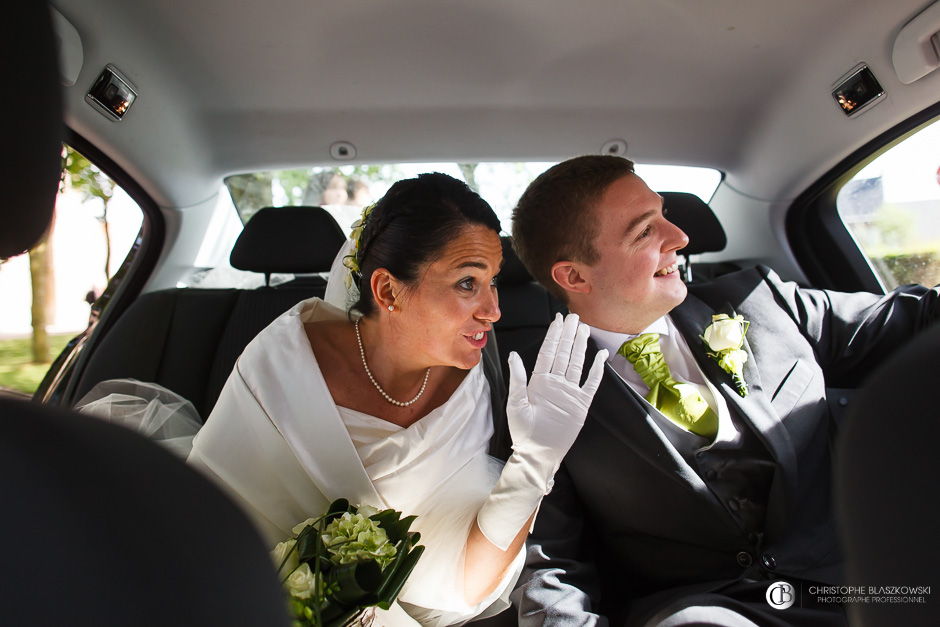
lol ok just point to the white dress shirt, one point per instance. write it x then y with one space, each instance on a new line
684 369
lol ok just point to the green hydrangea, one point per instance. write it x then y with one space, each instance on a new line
357 538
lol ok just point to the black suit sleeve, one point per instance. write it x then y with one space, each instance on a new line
854 332
559 584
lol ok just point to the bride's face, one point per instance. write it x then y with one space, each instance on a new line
444 315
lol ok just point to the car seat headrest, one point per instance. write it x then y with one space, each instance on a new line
34 133
295 240
692 215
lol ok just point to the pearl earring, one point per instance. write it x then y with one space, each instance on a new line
391 307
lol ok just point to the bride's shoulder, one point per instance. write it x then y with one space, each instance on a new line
328 337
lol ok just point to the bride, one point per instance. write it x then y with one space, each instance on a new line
383 400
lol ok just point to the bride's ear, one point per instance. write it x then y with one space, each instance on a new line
571 277
385 289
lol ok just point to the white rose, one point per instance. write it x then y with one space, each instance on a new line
367 510
296 529
724 333
281 551
301 583
733 361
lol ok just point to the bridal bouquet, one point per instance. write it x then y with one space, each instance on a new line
347 560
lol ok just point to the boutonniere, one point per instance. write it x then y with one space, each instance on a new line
724 338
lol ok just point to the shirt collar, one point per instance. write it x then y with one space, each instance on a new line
613 340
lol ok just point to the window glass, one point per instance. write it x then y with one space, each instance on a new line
345 190
47 294
892 209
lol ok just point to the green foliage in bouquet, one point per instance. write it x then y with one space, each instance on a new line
349 559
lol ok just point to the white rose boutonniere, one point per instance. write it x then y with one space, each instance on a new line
724 338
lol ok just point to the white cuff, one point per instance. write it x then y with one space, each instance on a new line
514 499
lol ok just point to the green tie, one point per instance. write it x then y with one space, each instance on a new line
680 402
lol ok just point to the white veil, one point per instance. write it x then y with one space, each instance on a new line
151 409
341 289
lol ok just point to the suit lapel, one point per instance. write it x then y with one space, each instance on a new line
622 412
691 318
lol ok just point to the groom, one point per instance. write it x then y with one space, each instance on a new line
694 484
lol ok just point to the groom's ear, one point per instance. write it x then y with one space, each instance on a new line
571 277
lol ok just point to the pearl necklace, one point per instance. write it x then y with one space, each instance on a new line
362 353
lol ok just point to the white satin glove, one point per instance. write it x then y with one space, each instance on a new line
544 419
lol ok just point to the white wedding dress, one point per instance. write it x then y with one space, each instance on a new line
280 445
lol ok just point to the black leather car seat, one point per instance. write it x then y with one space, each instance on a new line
886 487
188 339
527 308
103 527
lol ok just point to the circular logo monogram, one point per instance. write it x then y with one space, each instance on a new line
780 595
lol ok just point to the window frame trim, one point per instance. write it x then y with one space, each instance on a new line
60 380
822 245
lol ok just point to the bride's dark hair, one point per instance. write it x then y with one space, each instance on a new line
412 224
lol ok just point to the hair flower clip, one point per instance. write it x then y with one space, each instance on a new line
351 260
724 338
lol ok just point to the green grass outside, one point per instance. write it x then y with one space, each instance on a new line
17 372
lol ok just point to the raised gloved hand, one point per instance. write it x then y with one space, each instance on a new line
544 419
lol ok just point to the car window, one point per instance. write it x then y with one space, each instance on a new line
51 294
892 209
345 190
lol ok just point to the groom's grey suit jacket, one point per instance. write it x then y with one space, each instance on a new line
629 516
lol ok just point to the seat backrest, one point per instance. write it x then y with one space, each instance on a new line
119 531
527 308
886 484
188 339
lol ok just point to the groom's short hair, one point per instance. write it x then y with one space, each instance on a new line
553 220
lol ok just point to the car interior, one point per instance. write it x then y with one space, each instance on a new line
789 104
118 530
739 95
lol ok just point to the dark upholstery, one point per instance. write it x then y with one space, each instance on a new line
526 307
32 133
187 340
103 527
691 214
886 484
296 240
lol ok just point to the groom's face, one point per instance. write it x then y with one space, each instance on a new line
635 280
